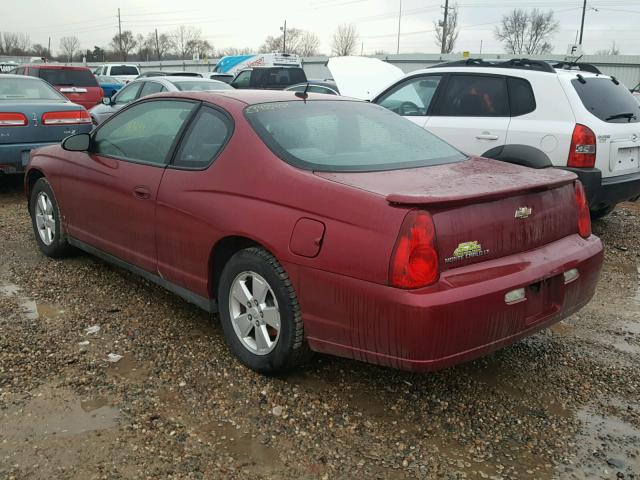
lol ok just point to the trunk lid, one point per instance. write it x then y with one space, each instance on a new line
362 77
77 84
481 209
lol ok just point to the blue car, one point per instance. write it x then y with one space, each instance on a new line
109 85
33 114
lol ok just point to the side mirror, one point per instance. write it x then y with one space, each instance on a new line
107 101
77 143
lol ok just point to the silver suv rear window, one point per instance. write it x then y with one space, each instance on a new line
609 102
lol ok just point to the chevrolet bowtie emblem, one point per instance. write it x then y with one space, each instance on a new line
523 212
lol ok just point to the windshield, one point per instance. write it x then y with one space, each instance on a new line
346 136
124 70
202 86
27 89
72 78
609 102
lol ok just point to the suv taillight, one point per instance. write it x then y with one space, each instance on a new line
11 119
582 153
66 118
584 218
414 262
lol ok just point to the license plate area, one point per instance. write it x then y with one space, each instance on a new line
625 158
543 299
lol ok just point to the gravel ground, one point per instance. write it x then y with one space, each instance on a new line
564 403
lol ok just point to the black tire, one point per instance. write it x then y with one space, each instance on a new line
602 212
59 246
291 348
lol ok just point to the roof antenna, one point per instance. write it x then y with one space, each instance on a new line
303 95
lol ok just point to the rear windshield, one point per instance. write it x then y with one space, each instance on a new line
123 70
72 78
346 136
609 102
27 89
279 77
202 86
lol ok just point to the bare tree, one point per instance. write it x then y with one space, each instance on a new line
69 46
451 31
162 44
309 45
609 51
299 42
10 42
527 32
40 50
235 51
123 44
184 39
345 40
202 48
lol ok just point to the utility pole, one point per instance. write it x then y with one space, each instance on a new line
49 48
444 27
480 47
120 34
157 45
584 10
399 18
284 37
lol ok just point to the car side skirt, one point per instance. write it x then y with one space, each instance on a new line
206 304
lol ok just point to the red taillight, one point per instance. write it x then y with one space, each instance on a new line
66 118
414 262
584 219
12 120
582 153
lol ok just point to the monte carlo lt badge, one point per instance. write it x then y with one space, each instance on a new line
466 250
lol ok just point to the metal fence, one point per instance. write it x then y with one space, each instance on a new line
624 67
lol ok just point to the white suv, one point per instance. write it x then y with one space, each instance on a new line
530 113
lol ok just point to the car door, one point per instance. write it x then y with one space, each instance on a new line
186 182
111 191
472 113
412 97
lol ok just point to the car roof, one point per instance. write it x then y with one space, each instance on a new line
49 66
510 72
254 97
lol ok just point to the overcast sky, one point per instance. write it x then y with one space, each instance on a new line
246 23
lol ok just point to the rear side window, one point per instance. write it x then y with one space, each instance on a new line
204 140
332 136
474 96
521 99
73 78
609 102
243 79
150 88
123 70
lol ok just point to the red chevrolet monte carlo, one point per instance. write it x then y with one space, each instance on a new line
322 224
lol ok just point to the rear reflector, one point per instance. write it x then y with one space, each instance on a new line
12 120
582 153
66 118
414 262
514 296
571 275
584 217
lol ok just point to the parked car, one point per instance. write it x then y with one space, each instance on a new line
123 72
147 86
527 112
75 83
324 224
32 115
161 73
328 87
268 78
109 85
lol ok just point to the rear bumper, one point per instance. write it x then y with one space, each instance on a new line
462 317
603 192
14 157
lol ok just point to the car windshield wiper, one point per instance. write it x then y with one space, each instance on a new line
621 115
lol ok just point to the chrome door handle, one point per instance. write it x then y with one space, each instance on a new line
486 136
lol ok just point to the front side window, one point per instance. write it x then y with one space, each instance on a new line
143 133
204 139
128 93
412 97
243 80
474 96
150 88
330 135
